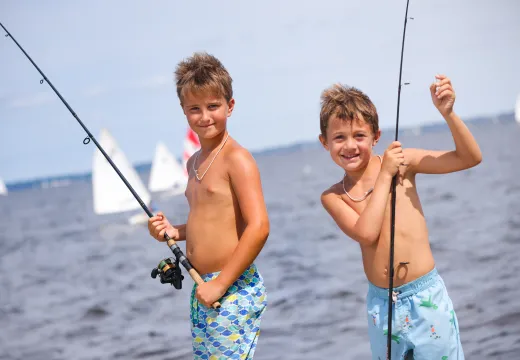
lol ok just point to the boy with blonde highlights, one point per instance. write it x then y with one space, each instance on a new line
227 224
424 319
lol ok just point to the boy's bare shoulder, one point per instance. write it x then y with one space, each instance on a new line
334 190
238 156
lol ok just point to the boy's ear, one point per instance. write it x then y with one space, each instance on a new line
323 142
377 136
231 106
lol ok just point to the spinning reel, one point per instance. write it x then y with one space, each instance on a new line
169 272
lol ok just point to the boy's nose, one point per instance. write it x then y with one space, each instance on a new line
349 144
206 118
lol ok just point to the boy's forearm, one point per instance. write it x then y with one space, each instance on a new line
248 248
371 220
466 146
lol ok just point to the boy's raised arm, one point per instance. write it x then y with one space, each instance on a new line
467 152
246 183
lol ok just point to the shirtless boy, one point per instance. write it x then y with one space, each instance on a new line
227 224
423 315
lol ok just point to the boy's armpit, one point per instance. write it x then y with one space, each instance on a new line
422 161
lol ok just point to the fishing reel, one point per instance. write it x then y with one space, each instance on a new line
169 272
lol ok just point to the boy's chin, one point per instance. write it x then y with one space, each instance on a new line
210 133
353 166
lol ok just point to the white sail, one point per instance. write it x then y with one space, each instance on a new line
111 195
166 173
3 188
517 109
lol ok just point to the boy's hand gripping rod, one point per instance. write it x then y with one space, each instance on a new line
171 243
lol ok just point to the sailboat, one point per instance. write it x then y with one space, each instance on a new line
111 195
167 174
3 188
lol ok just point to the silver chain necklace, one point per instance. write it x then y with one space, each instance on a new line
366 193
214 157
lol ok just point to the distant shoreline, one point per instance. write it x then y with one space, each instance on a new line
63 180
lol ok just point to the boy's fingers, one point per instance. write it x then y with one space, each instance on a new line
445 93
443 87
395 144
444 82
155 218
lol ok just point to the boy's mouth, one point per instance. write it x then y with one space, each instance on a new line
350 157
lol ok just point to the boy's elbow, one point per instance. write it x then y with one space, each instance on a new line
367 239
261 228
473 157
474 160
478 158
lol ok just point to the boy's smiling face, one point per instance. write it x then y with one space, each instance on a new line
207 113
350 142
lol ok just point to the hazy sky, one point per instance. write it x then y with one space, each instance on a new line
113 62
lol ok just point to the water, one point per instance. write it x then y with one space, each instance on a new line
77 286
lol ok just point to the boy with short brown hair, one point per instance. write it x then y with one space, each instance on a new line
424 319
227 224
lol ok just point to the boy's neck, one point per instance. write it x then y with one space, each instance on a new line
208 145
355 176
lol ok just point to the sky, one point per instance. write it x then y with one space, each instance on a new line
113 62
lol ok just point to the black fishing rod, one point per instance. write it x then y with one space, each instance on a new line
394 185
165 266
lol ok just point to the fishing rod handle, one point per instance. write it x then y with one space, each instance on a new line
184 261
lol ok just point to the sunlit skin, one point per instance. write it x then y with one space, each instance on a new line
349 143
227 224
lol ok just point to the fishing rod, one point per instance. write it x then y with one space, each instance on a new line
394 185
166 268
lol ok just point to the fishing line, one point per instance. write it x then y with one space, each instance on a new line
179 255
394 184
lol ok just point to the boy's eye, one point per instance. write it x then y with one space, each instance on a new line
194 109
360 135
213 106
338 137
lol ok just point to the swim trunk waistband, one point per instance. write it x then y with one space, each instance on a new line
408 289
250 277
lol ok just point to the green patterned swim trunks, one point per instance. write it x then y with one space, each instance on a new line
232 331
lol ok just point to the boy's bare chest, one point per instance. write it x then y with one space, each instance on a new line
210 191
405 190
